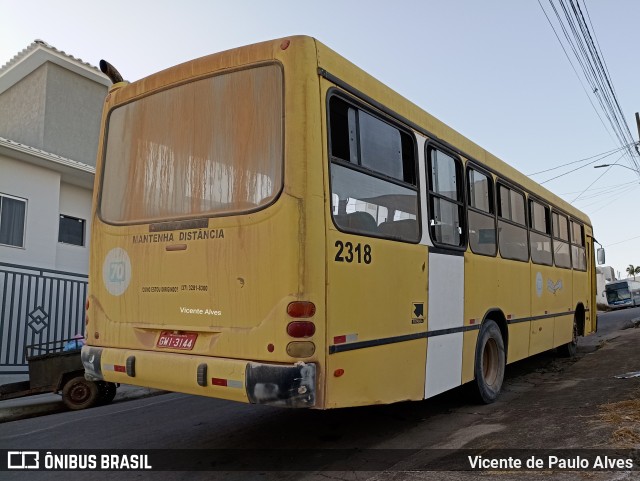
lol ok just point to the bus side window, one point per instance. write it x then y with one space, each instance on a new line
446 194
512 230
373 174
482 222
561 251
578 256
540 234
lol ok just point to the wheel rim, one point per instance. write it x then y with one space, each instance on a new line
79 393
490 362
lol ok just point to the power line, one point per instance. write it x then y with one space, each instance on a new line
614 197
581 167
623 241
601 175
577 161
605 188
587 52
574 68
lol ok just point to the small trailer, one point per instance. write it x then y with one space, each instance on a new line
56 367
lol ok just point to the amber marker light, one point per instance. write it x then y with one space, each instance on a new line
301 349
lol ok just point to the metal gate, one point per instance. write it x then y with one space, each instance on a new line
37 306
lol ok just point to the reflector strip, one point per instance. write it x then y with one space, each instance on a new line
472 321
216 381
345 338
117 368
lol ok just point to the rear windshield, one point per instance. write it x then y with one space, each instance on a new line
205 148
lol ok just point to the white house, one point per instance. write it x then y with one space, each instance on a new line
50 108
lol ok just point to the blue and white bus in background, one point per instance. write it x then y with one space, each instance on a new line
623 294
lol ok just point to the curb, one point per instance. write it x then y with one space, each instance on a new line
50 403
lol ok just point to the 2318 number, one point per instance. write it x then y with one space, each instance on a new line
347 252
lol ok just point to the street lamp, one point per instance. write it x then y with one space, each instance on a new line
614 165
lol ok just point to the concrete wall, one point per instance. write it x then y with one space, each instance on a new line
55 110
21 119
72 118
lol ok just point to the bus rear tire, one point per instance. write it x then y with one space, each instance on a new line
490 362
106 392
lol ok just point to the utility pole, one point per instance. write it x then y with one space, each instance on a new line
638 124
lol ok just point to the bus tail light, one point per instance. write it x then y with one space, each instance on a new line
300 329
301 349
301 309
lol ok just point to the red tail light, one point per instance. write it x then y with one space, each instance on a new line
302 309
300 329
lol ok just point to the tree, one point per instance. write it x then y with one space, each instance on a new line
633 270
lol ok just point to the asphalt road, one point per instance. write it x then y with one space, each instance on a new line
447 422
616 320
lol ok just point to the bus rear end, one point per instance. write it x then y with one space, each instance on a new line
205 275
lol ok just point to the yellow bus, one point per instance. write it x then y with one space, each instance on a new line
273 225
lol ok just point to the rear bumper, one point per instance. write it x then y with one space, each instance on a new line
290 385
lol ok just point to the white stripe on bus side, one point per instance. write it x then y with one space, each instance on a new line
446 311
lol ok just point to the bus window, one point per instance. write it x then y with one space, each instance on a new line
446 206
373 175
169 158
512 229
561 251
482 223
578 255
540 233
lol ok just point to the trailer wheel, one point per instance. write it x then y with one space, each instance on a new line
106 391
489 362
78 393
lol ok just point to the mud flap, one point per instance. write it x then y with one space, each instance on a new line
284 386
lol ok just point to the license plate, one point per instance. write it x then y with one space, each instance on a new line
170 340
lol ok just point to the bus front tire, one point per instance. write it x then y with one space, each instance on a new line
571 348
489 362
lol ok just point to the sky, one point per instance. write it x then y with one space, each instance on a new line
493 70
